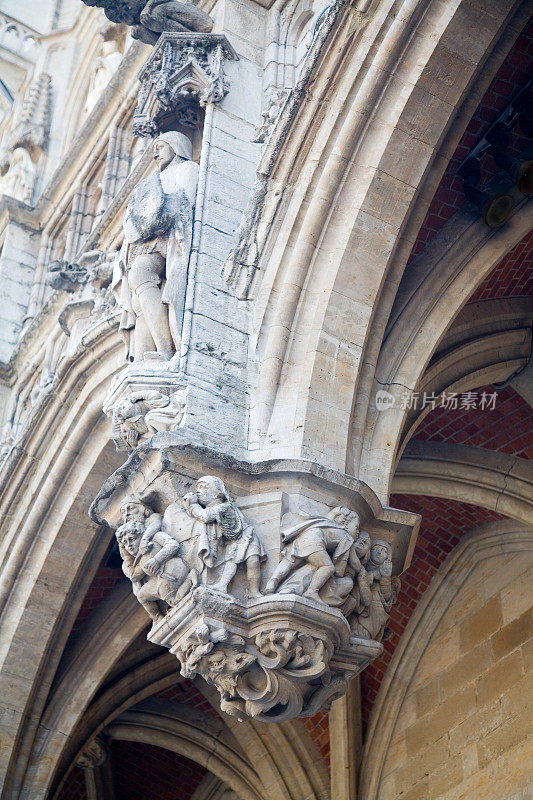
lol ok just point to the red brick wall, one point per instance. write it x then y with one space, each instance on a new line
449 197
74 786
444 522
145 772
318 727
186 692
512 277
508 428
103 582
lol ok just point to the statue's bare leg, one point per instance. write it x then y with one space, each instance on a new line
323 569
144 278
280 573
143 342
228 573
253 573
146 599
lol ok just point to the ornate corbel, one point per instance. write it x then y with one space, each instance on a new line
270 581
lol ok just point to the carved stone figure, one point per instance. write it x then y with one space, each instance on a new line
150 272
370 622
225 540
19 178
271 109
93 754
324 545
151 18
160 578
141 414
197 569
105 65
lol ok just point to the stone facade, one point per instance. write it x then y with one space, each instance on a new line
236 243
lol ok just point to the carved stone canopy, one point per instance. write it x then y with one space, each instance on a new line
277 597
183 71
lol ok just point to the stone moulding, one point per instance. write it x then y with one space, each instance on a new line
183 69
277 597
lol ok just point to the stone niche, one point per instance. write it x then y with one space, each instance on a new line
273 581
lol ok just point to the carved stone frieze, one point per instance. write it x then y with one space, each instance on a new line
274 599
184 70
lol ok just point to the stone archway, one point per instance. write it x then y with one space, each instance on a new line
436 675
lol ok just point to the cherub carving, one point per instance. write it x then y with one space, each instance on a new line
225 540
159 577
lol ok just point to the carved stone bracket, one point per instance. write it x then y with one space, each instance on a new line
144 399
274 658
184 70
93 755
277 597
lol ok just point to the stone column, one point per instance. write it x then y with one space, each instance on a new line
95 762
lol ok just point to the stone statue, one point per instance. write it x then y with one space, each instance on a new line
150 273
225 540
159 577
150 18
369 623
325 546
19 179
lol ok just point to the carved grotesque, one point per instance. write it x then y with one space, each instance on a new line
141 414
150 272
150 18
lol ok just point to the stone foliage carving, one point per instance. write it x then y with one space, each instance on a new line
150 271
184 70
275 648
149 17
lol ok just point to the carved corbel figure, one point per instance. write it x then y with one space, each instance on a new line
159 577
225 541
150 272
197 568
144 413
370 622
316 551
